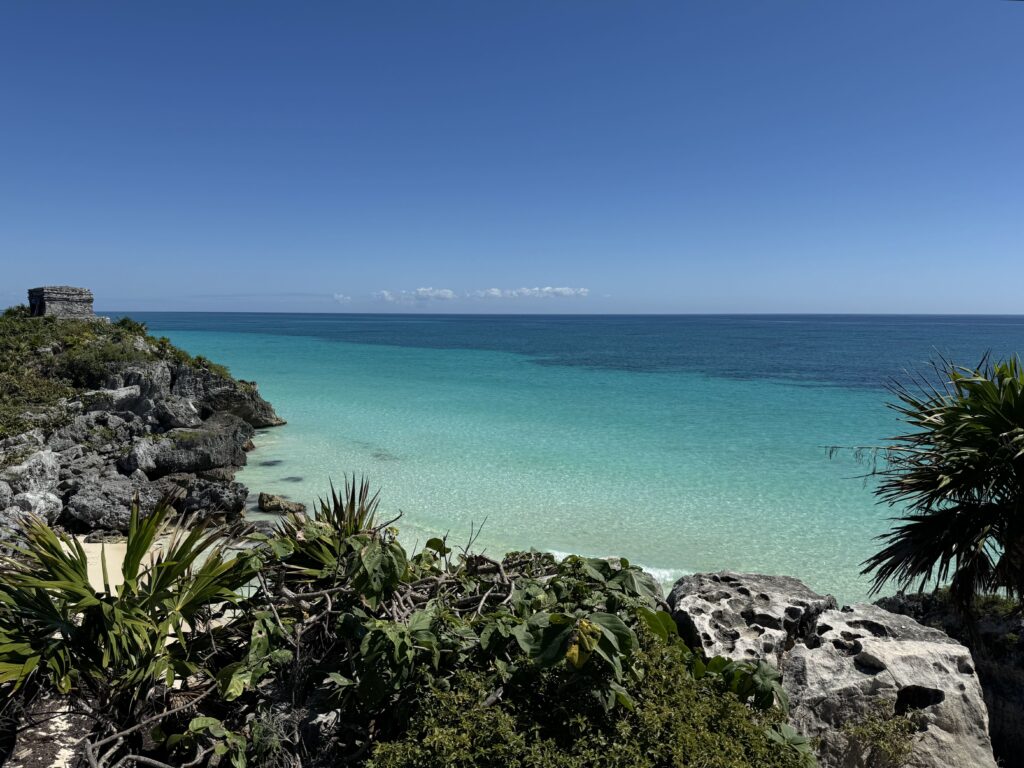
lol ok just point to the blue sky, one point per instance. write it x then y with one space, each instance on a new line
557 156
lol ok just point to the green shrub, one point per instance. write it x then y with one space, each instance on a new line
28 391
113 647
398 643
133 327
882 739
675 721
165 350
216 369
89 366
17 312
430 658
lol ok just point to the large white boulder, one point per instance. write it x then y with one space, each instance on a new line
839 666
865 654
745 615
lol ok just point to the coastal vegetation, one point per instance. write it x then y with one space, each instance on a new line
325 642
44 361
959 476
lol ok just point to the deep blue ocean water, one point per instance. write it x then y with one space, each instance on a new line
683 443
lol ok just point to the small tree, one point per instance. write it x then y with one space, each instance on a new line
960 473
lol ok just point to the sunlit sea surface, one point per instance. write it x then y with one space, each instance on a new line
683 443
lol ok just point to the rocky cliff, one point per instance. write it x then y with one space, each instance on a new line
156 423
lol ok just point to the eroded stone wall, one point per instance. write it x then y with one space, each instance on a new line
61 301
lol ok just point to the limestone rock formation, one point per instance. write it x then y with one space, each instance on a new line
161 424
996 640
225 395
837 665
217 442
745 616
44 504
38 473
866 654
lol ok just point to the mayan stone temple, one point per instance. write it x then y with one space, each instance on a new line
61 301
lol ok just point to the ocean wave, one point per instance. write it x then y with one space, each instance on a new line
664 576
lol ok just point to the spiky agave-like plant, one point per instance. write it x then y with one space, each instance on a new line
354 511
314 547
111 645
960 473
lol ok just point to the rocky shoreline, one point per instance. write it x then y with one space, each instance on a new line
153 429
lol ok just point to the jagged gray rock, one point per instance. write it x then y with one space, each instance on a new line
745 615
42 503
104 502
209 393
996 639
121 399
217 442
33 439
269 502
39 473
101 503
209 498
153 379
174 412
837 665
218 394
10 517
156 426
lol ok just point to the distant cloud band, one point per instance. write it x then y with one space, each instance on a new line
424 295
530 293
417 296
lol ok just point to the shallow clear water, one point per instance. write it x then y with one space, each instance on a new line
681 443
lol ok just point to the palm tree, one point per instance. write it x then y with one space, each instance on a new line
960 473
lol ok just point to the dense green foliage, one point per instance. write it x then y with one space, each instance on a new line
523 661
676 721
960 473
44 361
882 739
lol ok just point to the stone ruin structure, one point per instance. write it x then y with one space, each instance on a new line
61 301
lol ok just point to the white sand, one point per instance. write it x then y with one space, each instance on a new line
115 552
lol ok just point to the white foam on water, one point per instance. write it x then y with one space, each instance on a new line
664 576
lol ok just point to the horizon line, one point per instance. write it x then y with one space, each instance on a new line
564 314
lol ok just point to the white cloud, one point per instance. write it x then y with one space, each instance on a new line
424 295
417 296
440 294
531 293
341 298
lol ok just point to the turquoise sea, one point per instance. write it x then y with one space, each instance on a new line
684 443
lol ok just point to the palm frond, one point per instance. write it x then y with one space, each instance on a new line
959 474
